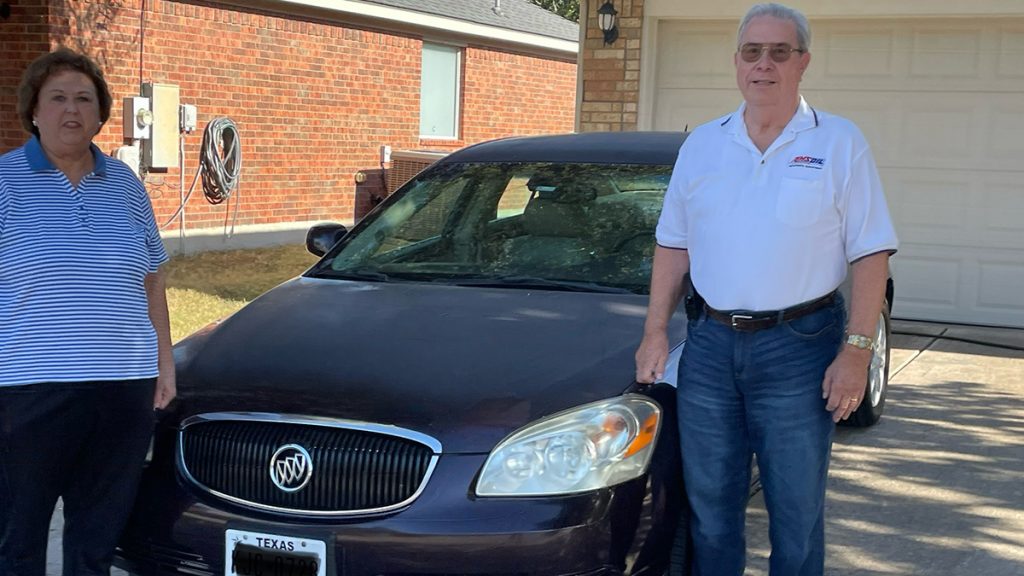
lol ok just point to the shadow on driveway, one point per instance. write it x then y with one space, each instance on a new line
937 487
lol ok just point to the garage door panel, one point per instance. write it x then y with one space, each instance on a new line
969 286
699 57
864 54
956 209
701 106
944 53
942 131
925 281
1010 61
995 276
917 129
928 209
1003 216
1005 129
939 130
920 56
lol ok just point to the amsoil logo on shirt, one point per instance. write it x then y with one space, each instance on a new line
807 162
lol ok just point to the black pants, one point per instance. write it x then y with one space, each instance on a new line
84 442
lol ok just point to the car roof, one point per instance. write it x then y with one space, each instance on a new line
657 148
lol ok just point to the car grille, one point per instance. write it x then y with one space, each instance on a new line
354 470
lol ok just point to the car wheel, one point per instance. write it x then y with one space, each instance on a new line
871 407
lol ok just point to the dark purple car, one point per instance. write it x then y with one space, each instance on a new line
449 391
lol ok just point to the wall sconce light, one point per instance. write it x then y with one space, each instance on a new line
5 10
606 20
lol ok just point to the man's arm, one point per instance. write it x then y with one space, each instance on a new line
670 267
845 378
156 299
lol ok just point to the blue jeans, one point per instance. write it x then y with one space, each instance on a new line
743 393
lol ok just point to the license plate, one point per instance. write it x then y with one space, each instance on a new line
258 554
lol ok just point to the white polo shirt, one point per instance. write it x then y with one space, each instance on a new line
769 231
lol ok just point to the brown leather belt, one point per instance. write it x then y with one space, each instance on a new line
746 321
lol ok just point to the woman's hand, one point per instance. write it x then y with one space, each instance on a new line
166 388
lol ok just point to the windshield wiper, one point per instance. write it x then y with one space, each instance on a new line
357 274
542 283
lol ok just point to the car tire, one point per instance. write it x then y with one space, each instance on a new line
871 407
679 559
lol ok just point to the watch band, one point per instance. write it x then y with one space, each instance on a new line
860 341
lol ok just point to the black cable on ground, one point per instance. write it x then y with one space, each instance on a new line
960 339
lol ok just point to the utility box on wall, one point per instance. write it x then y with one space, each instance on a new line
137 118
161 150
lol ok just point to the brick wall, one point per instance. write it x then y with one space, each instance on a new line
611 73
23 36
313 100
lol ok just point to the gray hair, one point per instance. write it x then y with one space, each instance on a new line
803 29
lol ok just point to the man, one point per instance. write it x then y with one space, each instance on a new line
766 209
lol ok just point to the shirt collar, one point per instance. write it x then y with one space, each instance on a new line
805 118
38 161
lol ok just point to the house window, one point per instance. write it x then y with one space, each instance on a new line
439 92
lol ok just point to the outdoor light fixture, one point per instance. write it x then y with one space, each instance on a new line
606 20
5 10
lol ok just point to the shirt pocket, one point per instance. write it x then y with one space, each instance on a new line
800 201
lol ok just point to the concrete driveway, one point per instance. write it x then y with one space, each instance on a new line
937 487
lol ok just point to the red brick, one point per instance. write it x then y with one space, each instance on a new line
313 100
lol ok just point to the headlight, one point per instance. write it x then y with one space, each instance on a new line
585 448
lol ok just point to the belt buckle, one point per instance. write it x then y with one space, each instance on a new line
734 318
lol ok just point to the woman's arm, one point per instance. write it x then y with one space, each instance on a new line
156 298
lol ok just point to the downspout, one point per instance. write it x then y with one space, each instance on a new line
584 18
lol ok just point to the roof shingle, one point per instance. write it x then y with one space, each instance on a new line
519 15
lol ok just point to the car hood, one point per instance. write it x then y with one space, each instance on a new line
465 365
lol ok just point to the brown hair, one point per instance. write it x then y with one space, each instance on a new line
40 70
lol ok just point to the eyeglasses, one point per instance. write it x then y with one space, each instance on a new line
751 52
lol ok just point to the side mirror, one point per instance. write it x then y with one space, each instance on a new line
323 237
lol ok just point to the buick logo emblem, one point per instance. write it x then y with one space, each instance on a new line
291 468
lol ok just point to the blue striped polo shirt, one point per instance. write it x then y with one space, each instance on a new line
72 264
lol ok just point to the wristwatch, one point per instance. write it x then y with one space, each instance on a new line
860 341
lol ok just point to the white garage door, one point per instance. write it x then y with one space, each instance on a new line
942 103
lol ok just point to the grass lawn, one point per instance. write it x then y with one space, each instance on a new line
208 286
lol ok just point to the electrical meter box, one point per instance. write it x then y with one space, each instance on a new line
137 118
188 117
161 150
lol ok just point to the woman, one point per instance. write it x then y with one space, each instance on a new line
85 350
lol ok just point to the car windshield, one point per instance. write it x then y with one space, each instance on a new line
580 227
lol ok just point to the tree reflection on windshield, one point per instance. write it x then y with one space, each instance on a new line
564 226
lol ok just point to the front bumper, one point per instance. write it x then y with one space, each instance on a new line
626 529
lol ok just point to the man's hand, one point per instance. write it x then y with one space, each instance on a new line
845 382
651 357
166 388
670 268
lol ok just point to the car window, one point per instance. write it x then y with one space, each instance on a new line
521 223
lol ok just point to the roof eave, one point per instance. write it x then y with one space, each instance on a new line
381 16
